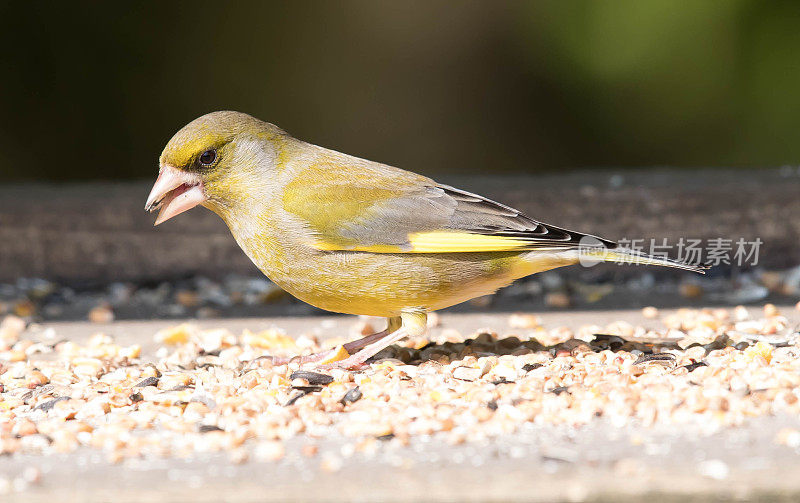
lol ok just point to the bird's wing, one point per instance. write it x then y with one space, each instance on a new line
394 211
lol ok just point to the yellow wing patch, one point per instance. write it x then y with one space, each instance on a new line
440 242
446 242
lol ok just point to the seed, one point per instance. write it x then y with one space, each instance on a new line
695 365
313 378
268 339
46 406
14 356
508 343
36 379
664 358
761 349
467 373
771 311
353 395
150 381
151 370
173 381
297 396
175 335
130 352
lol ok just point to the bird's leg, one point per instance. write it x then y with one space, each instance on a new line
414 323
392 326
351 347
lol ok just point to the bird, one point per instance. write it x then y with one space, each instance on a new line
353 236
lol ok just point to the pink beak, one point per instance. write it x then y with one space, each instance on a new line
174 192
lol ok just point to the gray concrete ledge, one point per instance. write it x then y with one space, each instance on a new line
99 232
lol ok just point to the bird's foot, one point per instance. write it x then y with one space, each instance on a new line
357 360
352 355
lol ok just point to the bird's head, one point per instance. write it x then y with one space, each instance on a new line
218 161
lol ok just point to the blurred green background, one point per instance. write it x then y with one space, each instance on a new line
93 90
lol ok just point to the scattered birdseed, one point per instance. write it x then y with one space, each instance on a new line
210 390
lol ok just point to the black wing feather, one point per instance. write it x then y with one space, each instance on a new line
477 214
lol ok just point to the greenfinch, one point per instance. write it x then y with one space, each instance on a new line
355 236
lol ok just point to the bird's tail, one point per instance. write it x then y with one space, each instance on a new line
622 255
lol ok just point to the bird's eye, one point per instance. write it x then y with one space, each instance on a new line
208 157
